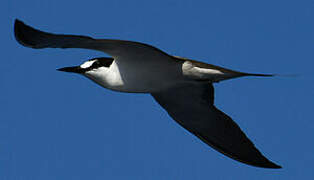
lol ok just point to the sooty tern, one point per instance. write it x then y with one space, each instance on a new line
183 87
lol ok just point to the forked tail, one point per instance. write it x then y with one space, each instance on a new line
260 75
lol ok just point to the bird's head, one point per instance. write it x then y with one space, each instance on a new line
90 66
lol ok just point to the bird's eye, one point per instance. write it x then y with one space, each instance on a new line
96 63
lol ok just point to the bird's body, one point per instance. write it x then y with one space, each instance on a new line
137 77
154 75
182 86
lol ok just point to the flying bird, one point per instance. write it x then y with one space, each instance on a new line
183 87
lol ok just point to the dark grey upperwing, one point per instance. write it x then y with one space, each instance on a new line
192 106
33 38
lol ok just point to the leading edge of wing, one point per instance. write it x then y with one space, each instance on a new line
37 39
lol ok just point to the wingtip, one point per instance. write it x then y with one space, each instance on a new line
271 165
26 35
276 166
263 162
19 32
18 26
17 21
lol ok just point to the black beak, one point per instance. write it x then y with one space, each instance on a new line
73 69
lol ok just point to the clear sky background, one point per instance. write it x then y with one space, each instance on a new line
61 126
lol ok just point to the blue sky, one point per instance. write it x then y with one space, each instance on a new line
57 125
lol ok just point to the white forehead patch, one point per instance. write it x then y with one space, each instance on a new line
87 64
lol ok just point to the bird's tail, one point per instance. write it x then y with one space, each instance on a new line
271 75
260 75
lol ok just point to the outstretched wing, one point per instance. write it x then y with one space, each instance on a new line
33 38
192 106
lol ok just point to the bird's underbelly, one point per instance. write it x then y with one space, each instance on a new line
143 84
138 89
